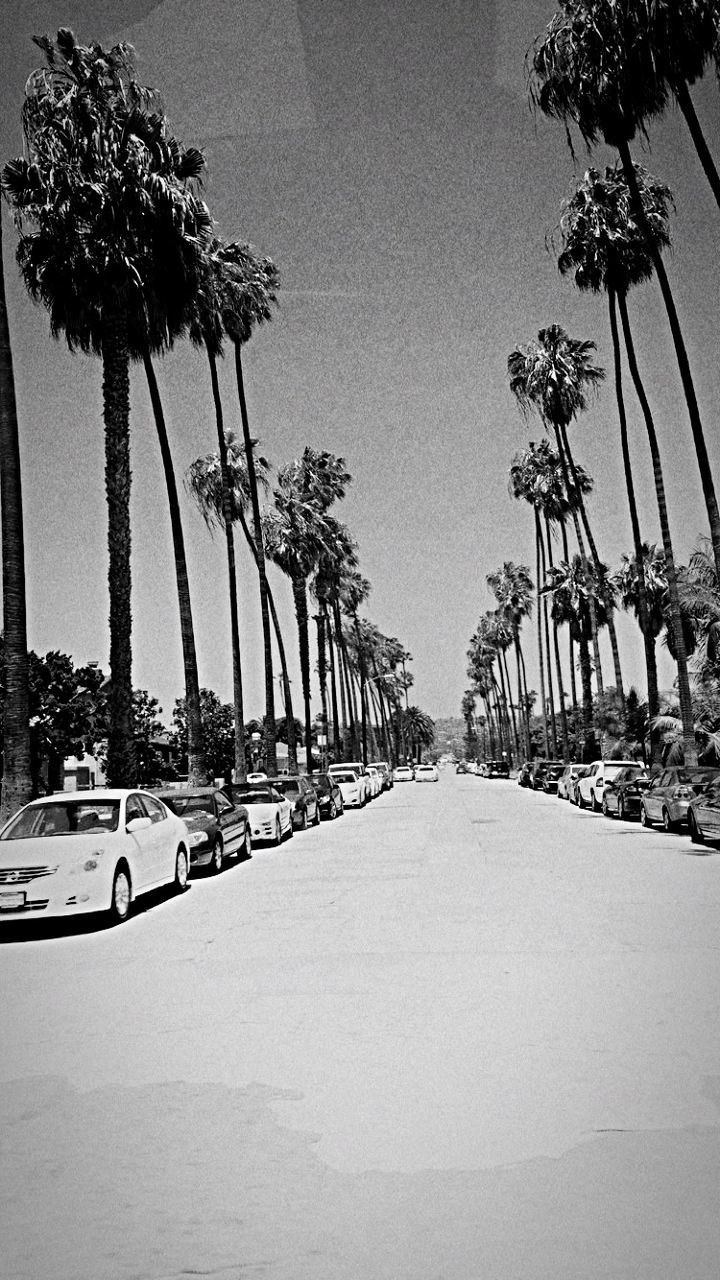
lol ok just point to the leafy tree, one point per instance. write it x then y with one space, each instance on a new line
218 727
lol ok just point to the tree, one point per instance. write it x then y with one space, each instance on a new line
16 779
574 595
218 725
117 235
512 587
605 248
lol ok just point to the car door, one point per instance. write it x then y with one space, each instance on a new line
654 794
160 839
707 809
142 844
231 822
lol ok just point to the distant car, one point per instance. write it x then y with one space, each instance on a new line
386 773
218 828
590 786
461 767
525 774
539 769
622 794
497 769
573 782
375 777
351 787
568 775
403 773
329 795
299 789
270 813
669 792
357 767
473 766
703 814
426 773
89 851
551 778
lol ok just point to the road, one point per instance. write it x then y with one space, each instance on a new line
469 1033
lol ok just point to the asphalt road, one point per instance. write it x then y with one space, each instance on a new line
467 1034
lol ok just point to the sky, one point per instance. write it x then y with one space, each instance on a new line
384 155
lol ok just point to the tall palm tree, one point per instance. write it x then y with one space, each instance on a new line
117 235
554 376
573 593
16 778
593 71
606 249
204 482
651 572
512 587
335 559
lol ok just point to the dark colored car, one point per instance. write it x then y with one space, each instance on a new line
329 795
551 777
461 768
497 769
623 793
218 829
540 768
300 790
669 793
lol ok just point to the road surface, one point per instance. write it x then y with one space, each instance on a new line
469 1033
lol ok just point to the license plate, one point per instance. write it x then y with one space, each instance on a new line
11 901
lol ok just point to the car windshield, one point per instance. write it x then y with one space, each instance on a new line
347 776
289 788
64 818
256 796
183 806
321 783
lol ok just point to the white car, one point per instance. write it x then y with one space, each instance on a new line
270 814
357 767
375 777
590 787
426 773
403 773
85 851
351 787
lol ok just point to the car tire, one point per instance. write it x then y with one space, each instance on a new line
245 849
332 812
668 824
303 823
121 895
594 803
696 835
644 820
182 871
605 810
215 864
316 822
580 801
278 832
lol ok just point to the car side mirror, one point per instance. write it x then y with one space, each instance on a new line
138 824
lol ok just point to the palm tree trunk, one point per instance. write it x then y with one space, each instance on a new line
687 107
558 664
643 612
322 679
588 752
337 740
383 714
683 679
239 709
301 614
513 718
16 778
287 695
599 573
121 763
361 672
541 663
708 485
546 625
571 642
347 729
270 743
197 767
523 694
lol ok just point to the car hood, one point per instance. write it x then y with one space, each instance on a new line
53 851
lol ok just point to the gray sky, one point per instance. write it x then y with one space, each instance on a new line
384 155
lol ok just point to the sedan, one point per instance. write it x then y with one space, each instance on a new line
669 793
403 773
86 851
623 793
300 790
352 790
330 799
426 773
704 814
218 829
569 773
551 778
271 815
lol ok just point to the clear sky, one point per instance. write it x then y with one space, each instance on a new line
383 153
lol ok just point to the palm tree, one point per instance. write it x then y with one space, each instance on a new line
204 482
419 730
627 581
554 375
16 778
599 73
512 587
573 596
113 256
606 248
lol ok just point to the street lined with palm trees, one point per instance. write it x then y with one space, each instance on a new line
469 1030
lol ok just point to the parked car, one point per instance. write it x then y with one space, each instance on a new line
357 767
218 828
351 787
386 774
669 793
299 789
573 782
525 774
426 773
497 769
329 795
551 778
569 773
590 786
703 814
87 851
539 769
403 773
375 781
271 814
623 793
461 767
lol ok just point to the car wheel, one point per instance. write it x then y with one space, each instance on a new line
644 820
278 832
605 810
216 859
621 807
580 801
121 896
181 871
668 824
695 833
303 823
246 846
332 813
316 823
594 803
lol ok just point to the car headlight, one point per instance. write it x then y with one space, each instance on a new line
198 837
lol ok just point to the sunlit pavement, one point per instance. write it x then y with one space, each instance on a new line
469 1033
